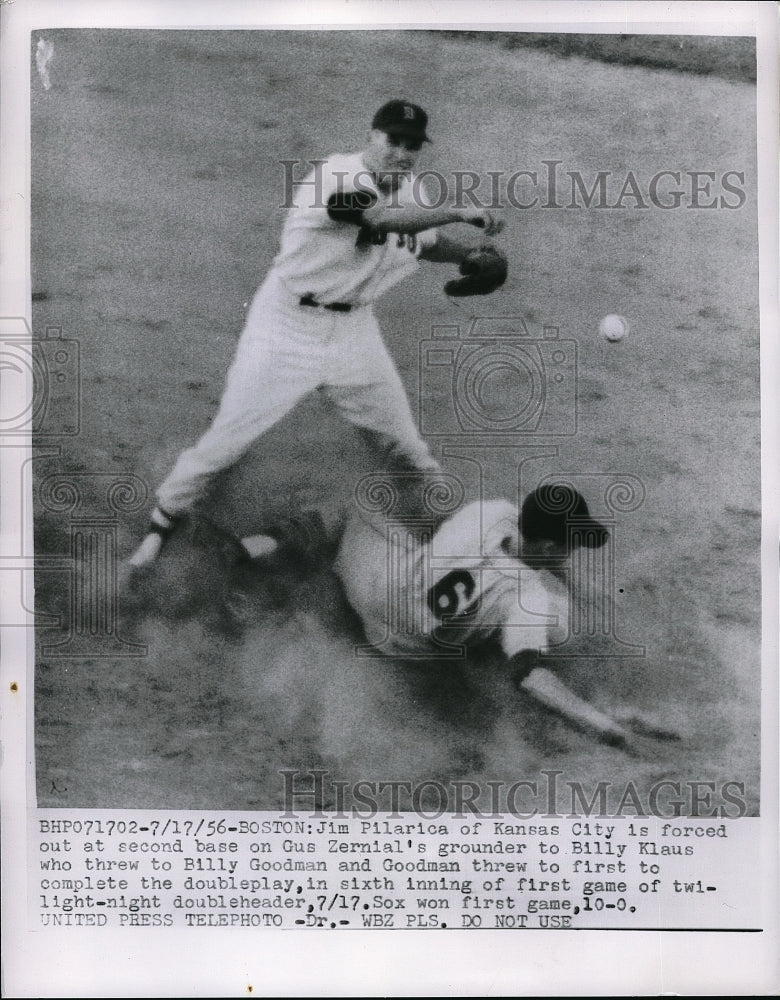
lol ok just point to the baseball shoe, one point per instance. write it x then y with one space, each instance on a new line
161 527
259 546
303 540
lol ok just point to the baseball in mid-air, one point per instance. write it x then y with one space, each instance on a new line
613 327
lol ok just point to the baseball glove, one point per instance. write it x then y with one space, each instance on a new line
483 270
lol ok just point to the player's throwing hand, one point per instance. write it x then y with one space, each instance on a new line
484 218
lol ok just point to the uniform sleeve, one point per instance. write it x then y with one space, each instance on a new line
348 206
536 616
425 239
499 527
361 564
337 191
419 188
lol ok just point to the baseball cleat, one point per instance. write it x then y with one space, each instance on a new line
300 539
258 546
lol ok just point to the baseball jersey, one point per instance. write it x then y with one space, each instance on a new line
465 584
332 260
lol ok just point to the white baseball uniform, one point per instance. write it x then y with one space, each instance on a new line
293 343
461 586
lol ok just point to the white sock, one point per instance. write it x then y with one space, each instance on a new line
147 551
163 520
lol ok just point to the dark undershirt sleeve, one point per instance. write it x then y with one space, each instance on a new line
522 664
348 206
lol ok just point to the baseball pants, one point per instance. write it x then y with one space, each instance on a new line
285 352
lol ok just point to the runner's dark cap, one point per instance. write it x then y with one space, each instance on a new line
402 118
552 508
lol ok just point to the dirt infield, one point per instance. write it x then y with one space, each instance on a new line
157 188
731 57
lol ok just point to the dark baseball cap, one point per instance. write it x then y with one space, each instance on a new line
402 118
551 508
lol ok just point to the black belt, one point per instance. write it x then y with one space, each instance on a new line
339 307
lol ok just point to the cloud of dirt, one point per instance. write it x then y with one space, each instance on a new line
277 678
303 676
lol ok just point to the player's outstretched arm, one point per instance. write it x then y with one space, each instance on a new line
630 731
550 691
449 248
417 218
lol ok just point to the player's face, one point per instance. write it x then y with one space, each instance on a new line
554 556
391 156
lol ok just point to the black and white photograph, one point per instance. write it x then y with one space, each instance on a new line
390 447
251 364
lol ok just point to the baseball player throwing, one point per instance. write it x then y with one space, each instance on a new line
357 226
